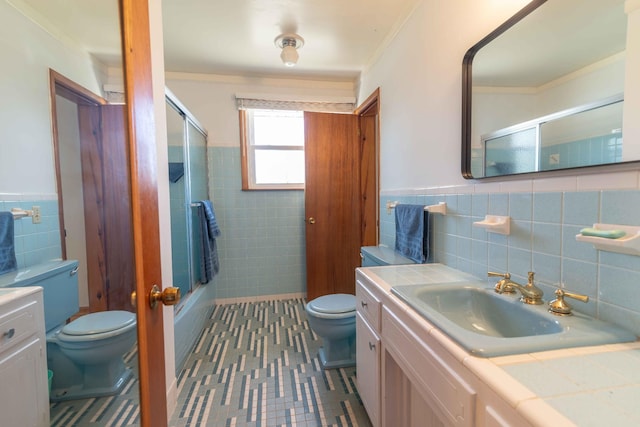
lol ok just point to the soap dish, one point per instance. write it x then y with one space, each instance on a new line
628 244
495 224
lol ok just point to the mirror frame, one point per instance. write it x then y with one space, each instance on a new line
467 87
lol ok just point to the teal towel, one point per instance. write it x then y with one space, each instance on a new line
7 248
412 232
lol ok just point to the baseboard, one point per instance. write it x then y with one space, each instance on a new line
172 398
259 298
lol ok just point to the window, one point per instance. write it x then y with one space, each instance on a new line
273 149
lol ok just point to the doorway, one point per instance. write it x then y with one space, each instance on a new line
94 196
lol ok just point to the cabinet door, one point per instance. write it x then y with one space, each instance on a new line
439 378
23 394
368 368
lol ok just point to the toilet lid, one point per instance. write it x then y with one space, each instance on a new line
335 303
98 323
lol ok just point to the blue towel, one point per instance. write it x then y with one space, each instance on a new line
412 232
176 170
7 249
209 231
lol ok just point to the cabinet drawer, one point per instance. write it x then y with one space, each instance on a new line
368 306
440 384
18 324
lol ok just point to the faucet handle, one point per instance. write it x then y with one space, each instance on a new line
560 307
504 285
506 276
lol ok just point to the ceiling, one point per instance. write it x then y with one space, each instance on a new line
555 40
236 37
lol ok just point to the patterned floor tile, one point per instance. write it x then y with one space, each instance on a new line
254 365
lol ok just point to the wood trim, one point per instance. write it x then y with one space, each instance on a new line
370 106
369 126
67 88
244 156
143 157
60 85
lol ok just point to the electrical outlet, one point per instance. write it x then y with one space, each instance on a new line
36 217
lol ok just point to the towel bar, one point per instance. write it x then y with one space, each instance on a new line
440 208
33 213
20 213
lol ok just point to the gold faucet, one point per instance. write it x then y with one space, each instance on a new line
531 294
560 307
504 286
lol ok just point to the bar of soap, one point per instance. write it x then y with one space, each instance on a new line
607 234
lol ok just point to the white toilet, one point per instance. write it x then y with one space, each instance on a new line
85 355
333 318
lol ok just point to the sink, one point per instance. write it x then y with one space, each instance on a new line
488 324
479 311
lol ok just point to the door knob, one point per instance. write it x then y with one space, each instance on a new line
312 220
168 296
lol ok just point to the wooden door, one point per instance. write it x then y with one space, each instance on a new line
107 204
332 203
144 198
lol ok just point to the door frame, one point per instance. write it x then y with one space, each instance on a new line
369 133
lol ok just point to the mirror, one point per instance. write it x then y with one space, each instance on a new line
545 91
81 41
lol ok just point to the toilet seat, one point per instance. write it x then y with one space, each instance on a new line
97 326
334 306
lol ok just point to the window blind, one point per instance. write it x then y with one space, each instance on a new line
272 102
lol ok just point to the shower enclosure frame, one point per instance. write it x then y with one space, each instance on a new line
190 124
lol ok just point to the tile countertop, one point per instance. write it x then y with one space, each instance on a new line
9 294
584 386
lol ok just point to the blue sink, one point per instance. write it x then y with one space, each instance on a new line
487 324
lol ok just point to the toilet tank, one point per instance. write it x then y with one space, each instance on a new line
381 255
59 281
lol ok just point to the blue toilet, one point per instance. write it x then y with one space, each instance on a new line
85 355
333 317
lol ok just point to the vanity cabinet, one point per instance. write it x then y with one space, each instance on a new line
24 397
368 351
439 380
410 375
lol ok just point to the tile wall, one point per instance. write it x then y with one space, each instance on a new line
542 239
34 243
591 151
261 249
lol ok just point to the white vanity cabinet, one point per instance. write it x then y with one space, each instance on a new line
24 397
416 376
368 351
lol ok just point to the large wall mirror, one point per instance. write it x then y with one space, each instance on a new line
545 91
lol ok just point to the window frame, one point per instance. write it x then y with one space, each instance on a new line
247 157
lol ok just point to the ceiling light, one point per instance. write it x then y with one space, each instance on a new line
289 43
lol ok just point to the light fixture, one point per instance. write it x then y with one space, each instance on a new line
289 43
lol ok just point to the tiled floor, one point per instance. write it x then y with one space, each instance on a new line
255 364
119 410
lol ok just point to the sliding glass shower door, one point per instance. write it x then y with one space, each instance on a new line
188 185
198 190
